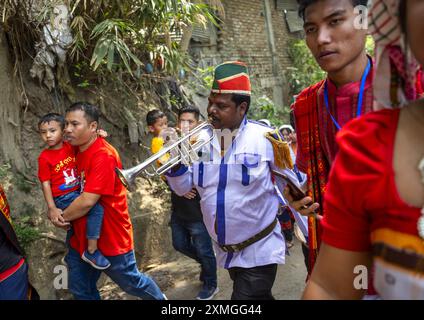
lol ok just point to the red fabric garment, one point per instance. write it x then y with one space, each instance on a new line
420 83
316 140
310 157
343 106
402 76
96 168
59 167
6 228
362 199
362 195
6 274
4 205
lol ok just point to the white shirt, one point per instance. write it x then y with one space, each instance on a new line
238 195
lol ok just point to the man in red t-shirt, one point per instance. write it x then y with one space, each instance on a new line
60 184
96 163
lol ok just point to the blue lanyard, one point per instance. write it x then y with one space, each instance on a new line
360 98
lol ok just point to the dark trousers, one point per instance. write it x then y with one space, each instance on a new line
253 283
192 239
16 286
123 271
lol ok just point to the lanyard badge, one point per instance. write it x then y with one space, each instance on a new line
360 98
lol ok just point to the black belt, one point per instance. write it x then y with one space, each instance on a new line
240 246
403 258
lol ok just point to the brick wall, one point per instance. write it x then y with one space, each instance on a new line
244 37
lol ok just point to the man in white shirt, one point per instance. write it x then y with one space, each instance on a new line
233 177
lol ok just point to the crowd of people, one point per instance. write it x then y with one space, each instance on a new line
354 151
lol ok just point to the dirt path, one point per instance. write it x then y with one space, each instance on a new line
288 285
179 279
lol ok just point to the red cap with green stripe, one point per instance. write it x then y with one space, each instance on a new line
231 77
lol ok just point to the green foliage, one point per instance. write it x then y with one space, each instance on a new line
112 37
110 42
206 75
203 80
125 35
263 107
305 70
25 231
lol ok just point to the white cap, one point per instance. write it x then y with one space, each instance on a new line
266 121
286 126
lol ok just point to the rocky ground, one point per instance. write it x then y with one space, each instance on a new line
179 279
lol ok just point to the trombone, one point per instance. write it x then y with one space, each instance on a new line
182 151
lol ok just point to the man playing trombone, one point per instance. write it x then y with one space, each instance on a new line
233 178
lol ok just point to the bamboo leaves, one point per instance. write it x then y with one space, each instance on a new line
111 35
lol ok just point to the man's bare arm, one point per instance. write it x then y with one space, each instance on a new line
334 274
80 206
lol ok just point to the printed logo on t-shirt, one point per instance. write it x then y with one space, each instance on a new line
70 180
63 163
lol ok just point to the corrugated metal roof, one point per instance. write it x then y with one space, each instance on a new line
201 34
294 23
287 5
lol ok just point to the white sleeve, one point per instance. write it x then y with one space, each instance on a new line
181 181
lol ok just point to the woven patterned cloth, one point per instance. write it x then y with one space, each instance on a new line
395 81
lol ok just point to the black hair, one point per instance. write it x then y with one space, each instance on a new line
238 99
52 117
304 4
91 112
153 115
190 109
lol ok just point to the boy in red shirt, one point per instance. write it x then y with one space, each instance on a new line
58 176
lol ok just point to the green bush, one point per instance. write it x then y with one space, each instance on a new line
263 107
305 70
25 231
